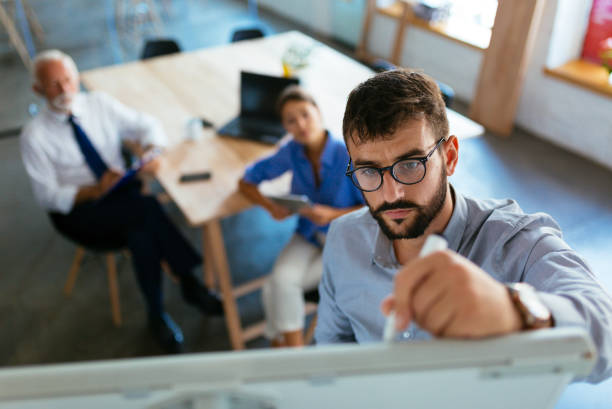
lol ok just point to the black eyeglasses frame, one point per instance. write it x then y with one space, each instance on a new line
381 171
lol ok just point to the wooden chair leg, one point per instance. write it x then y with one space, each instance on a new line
309 335
74 270
113 289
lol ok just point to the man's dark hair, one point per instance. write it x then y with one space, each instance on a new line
378 106
293 93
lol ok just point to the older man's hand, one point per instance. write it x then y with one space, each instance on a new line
152 161
152 166
108 179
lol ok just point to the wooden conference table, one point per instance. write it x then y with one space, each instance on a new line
205 83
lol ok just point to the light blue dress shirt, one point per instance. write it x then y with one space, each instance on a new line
335 189
359 266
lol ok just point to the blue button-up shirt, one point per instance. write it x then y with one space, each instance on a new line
335 189
359 266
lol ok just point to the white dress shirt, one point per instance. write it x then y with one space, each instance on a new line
52 156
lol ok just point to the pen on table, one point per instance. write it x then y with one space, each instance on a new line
433 243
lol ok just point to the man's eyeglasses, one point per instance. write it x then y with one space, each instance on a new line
405 171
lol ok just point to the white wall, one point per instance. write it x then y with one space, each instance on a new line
315 14
443 59
559 112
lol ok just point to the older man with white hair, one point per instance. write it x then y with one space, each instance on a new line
72 153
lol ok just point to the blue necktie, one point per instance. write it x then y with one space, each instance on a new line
93 159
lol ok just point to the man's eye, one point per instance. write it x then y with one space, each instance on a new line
408 165
368 172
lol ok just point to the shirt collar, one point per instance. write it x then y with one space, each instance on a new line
384 255
453 233
327 156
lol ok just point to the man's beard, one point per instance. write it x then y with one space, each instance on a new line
423 214
63 102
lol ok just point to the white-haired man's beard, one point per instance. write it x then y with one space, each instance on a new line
423 214
63 102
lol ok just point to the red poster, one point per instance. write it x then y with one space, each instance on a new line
599 28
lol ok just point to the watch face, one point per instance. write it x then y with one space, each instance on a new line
536 311
535 306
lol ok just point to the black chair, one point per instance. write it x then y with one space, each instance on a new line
448 93
155 48
246 34
381 65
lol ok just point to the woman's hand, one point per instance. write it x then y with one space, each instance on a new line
277 211
319 214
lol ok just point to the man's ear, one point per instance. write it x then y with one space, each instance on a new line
38 89
451 154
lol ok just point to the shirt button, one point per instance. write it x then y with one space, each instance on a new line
406 335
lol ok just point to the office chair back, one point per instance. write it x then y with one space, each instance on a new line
155 48
246 34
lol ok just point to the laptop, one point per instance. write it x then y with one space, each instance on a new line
528 370
258 119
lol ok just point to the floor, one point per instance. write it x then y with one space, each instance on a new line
39 325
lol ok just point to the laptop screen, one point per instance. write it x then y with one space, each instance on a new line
259 93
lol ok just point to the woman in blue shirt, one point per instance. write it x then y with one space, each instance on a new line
318 162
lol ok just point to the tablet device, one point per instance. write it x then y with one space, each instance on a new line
292 202
131 173
127 177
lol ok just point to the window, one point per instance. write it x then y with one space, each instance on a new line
599 28
474 12
579 29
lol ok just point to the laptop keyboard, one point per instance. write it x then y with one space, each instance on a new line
254 129
258 126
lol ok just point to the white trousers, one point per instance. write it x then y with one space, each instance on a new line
298 268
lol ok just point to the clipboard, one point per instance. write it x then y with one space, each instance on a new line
131 173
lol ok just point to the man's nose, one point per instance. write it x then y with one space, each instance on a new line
391 188
63 86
